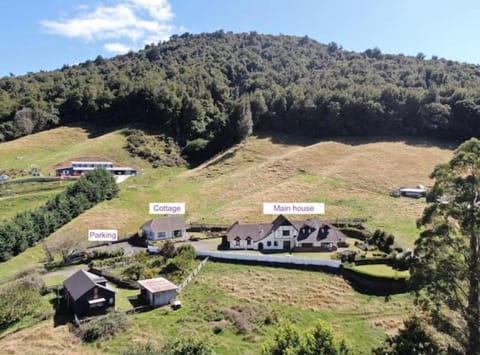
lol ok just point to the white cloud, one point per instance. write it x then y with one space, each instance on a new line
117 48
159 10
137 22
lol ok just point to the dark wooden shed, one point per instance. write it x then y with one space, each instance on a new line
87 294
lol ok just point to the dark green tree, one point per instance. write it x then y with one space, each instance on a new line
287 340
319 340
447 273
242 120
412 339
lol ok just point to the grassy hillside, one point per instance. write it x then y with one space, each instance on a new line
60 145
352 177
257 292
363 320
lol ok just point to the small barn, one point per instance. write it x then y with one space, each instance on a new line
158 291
165 228
87 294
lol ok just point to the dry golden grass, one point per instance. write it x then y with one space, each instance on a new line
390 325
43 339
51 148
369 168
50 139
267 287
101 217
354 180
310 291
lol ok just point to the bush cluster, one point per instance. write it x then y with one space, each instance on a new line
183 346
102 263
159 150
20 299
103 327
318 340
106 253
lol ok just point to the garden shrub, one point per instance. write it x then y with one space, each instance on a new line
103 327
19 299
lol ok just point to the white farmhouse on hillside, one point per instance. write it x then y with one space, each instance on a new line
283 234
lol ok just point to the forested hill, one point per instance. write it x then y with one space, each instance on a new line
206 90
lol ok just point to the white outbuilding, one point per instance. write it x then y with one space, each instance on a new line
158 291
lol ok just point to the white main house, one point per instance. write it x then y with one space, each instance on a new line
283 234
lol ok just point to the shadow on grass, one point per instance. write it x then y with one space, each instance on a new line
63 315
137 301
417 141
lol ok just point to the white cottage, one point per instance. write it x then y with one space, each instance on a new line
165 228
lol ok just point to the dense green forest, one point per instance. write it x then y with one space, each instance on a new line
208 91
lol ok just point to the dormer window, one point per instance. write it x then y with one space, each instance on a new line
237 241
249 240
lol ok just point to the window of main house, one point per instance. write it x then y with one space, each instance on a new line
285 233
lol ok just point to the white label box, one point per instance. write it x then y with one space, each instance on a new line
293 208
167 208
102 235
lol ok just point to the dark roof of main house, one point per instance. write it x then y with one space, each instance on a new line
81 282
309 230
254 230
166 224
314 230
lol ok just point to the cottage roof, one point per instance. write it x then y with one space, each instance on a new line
158 284
81 282
167 224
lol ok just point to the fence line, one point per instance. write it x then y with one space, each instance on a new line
348 222
192 275
215 255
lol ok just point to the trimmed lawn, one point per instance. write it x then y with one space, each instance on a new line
121 296
381 270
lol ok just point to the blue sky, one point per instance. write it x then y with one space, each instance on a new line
45 34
